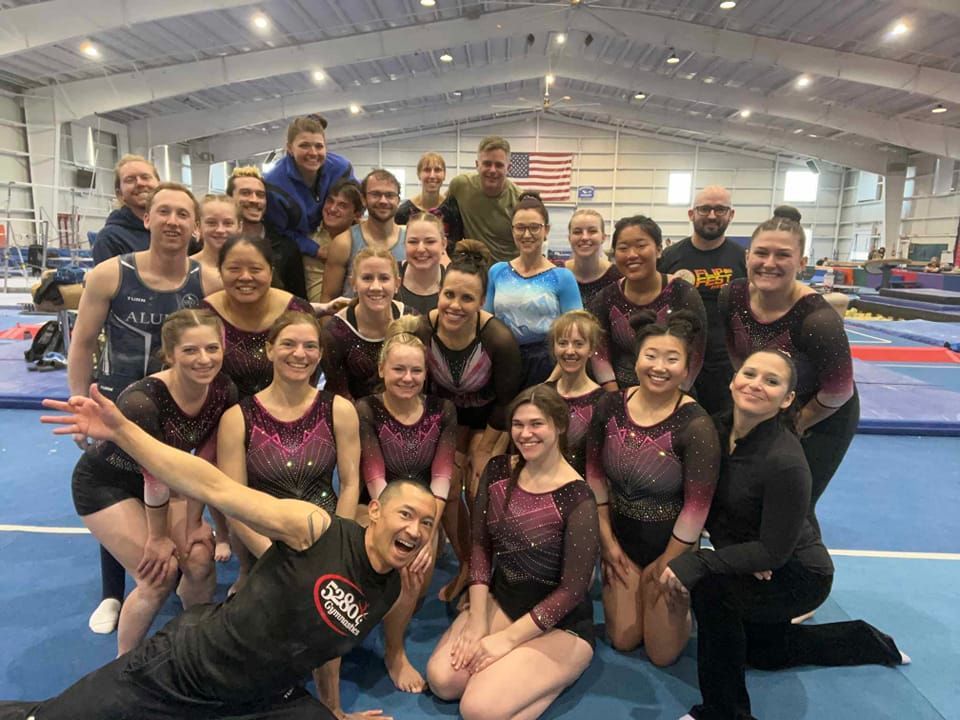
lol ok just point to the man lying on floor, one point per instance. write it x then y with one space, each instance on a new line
312 597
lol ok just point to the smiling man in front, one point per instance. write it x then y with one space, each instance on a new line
312 597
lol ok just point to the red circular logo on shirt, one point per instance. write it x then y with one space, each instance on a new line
341 604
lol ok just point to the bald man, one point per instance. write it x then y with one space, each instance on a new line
709 262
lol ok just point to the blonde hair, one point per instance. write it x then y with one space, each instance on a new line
177 323
125 160
218 197
587 211
431 157
429 218
381 254
244 171
583 321
402 331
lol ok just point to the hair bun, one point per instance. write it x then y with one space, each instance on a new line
642 318
472 251
787 212
685 321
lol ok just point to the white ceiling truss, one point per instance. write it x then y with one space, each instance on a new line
186 70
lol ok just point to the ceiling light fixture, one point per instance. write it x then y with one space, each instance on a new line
812 135
639 96
89 49
566 97
457 93
727 5
550 79
746 112
428 3
673 59
939 109
804 81
709 80
354 109
318 76
260 21
798 131
446 57
561 38
900 28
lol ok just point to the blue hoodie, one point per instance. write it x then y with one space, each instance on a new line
295 210
123 233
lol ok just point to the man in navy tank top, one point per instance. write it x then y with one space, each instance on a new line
128 297
314 595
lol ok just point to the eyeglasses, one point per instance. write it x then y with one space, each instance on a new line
532 228
376 195
718 210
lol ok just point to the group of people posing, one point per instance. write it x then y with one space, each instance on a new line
545 417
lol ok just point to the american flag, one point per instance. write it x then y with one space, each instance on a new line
547 173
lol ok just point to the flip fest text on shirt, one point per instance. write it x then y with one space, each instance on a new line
341 604
714 278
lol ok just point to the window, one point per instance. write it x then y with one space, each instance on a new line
869 187
218 177
186 173
800 186
678 189
401 175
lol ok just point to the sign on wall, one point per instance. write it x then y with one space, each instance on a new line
586 192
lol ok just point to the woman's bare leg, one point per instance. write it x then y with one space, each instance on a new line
445 682
623 612
666 629
122 529
199 580
523 683
456 519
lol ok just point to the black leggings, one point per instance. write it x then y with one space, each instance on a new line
744 621
826 443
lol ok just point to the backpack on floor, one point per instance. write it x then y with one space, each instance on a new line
48 339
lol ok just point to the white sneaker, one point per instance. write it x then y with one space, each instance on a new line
104 619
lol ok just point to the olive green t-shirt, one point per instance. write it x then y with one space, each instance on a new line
487 218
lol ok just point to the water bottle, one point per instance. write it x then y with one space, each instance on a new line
828 279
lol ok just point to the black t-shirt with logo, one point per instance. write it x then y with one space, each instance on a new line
297 610
712 270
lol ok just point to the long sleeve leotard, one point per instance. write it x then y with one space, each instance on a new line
658 479
581 413
349 359
292 459
811 332
536 551
481 379
422 451
616 358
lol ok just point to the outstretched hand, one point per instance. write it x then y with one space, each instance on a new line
94 417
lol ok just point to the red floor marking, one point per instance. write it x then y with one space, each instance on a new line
904 354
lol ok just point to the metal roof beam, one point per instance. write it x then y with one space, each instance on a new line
745 47
47 23
102 95
167 129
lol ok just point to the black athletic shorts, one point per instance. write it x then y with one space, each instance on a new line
97 484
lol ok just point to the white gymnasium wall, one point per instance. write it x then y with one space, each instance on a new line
931 206
639 184
16 201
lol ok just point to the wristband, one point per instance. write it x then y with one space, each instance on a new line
681 540
157 507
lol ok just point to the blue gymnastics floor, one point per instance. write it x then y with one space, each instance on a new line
892 495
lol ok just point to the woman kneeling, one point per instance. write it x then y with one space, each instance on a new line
528 631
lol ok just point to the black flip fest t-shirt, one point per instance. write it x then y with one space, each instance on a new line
708 271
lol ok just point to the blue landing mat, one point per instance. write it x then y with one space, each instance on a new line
923 331
20 388
895 403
